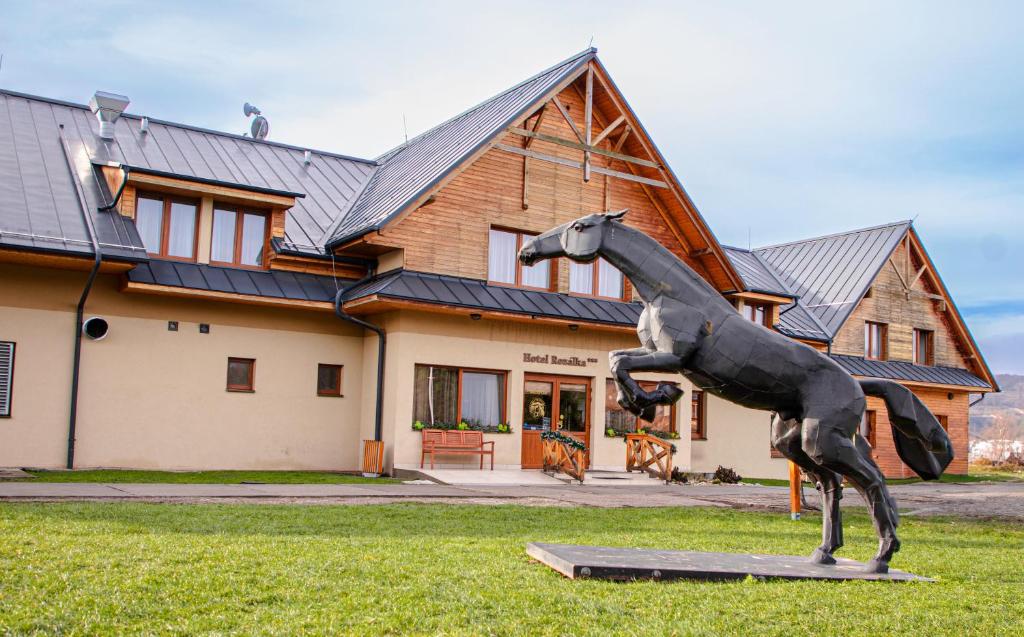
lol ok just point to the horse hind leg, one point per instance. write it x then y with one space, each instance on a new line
786 439
827 443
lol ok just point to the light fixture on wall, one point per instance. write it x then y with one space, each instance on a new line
475 316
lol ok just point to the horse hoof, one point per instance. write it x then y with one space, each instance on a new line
877 566
820 556
668 393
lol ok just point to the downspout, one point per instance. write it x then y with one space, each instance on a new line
976 402
381 347
79 312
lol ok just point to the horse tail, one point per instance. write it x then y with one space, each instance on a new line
921 442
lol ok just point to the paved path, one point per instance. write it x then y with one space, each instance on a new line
1003 500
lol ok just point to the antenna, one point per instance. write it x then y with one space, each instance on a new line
748 238
590 44
405 129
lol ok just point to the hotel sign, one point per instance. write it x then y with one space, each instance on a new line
552 359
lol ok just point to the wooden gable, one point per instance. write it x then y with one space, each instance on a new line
908 294
539 174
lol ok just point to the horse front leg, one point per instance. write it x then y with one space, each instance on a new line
631 396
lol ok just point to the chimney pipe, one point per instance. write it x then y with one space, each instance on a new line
107 108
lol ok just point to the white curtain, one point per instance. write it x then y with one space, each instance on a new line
481 398
149 218
223 245
581 278
252 239
501 257
182 235
609 280
537 276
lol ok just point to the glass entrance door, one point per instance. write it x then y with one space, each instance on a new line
553 403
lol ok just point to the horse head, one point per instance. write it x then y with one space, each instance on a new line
578 240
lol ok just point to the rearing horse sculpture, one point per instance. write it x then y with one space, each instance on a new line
688 327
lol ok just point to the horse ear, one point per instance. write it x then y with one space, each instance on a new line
616 216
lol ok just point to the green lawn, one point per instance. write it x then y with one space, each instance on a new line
200 477
987 476
438 569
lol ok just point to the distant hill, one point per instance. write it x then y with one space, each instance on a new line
1001 415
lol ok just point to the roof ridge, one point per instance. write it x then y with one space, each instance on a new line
892 224
387 155
199 129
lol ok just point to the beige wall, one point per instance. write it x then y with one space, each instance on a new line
737 438
152 398
458 341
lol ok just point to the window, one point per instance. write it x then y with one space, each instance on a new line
167 225
240 374
617 418
944 421
450 395
239 236
867 426
758 313
599 278
328 380
876 336
924 347
6 377
503 264
698 416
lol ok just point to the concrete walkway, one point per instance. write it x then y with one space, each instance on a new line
1002 500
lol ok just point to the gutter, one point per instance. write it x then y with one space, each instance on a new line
339 299
80 310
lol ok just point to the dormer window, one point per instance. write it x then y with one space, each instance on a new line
239 236
167 225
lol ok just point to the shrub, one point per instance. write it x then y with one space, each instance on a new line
726 475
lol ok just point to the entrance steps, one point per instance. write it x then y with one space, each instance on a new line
526 477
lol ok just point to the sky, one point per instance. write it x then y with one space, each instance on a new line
783 120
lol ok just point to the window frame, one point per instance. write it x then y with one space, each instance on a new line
929 353
646 385
883 342
870 418
335 392
595 281
702 415
10 380
458 392
240 212
552 263
165 222
250 387
943 422
766 308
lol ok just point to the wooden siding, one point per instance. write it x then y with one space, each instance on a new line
938 401
450 234
889 303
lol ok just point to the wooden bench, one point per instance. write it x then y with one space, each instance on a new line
455 442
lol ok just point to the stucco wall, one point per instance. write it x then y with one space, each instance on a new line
153 398
458 341
737 438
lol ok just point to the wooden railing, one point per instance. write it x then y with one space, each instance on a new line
650 454
560 456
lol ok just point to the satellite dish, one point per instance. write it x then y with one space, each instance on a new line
260 127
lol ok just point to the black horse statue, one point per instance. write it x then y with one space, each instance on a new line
688 327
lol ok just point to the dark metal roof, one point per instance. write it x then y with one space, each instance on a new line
267 283
899 370
831 274
475 294
39 206
412 168
756 275
330 182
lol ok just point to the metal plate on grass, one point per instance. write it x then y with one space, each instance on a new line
604 562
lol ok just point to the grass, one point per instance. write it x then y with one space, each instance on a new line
200 477
974 476
107 569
